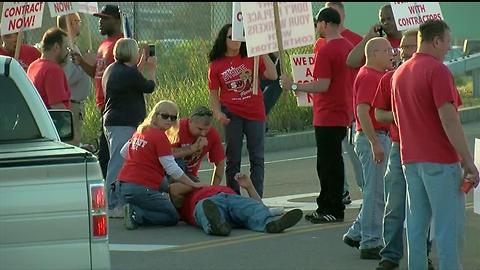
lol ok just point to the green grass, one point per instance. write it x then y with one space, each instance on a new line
182 78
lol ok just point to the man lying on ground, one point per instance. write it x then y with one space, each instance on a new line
216 209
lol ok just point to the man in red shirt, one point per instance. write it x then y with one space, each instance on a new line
433 149
371 145
216 209
332 114
111 26
196 139
356 58
46 73
27 55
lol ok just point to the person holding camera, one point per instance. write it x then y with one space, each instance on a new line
125 108
386 26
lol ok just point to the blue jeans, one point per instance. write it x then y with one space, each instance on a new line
394 216
151 207
116 136
367 228
271 93
238 211
347 148
255 133
433 194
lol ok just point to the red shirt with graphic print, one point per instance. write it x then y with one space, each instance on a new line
214 148
234 76
142 165
104 59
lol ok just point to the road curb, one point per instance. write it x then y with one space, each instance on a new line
297 140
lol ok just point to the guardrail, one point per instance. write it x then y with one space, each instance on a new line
465 64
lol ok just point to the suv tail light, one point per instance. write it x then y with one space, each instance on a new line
98 212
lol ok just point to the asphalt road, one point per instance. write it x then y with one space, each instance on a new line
291 181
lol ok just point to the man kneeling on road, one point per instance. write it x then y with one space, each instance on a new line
216 209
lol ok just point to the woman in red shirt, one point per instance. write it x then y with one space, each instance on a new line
230 77
148 158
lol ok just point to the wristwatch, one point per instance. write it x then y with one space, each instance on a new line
294 87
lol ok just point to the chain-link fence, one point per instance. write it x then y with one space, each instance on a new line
183 33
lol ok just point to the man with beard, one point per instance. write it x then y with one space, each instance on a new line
46 73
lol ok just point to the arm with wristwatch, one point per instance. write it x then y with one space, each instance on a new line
318 86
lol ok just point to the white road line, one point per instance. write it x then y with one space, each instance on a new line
268 162
284 201
142 248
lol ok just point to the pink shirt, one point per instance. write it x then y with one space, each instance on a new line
333 107
420 87
364 90
234 77
49 79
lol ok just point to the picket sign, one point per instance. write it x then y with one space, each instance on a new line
302 71
409 15
21 16
238 33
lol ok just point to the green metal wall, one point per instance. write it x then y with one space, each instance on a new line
462 17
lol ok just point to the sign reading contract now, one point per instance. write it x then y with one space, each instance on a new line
302 70
409 15
64 8
296 22
19 16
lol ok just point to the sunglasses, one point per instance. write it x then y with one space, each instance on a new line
166 116
229 36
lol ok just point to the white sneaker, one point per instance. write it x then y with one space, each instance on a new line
116 212
276 211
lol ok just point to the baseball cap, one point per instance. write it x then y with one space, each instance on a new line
109 11
328 15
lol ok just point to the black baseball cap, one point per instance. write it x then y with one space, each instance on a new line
109 11
328 15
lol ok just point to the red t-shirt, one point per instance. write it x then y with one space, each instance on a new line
383 100
364 89
104 59
395 42
234 76
214 148
49 79
333 107
28 54
420 87
192 198
352 37
142 165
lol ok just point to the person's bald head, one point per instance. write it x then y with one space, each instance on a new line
379 53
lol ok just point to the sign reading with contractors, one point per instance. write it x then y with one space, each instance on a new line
409 15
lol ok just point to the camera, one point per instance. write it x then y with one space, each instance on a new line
151 50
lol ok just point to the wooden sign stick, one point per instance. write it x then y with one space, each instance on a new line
256 60
17 46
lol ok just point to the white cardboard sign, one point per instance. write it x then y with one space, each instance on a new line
238 34
86 7
302 69
18 16
476 191
409 15
61 8
296 22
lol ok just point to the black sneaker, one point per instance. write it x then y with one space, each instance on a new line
324 218
371 253
286 221
346 198
217 226
386 265
349 241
